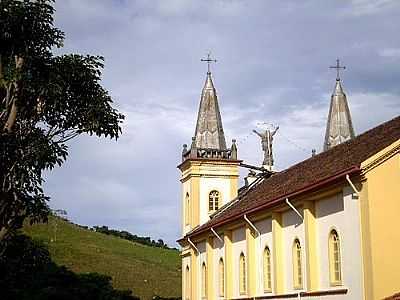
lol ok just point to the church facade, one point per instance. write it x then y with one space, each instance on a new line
325 228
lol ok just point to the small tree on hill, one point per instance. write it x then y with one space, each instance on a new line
45 100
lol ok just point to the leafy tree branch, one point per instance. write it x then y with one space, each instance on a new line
45 101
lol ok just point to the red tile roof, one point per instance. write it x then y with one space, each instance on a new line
393 297
310 173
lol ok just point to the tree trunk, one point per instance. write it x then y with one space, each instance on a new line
3 233
12 117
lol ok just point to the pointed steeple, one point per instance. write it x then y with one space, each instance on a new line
339 127
209 133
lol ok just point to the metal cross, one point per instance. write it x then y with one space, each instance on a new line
338 67
209 61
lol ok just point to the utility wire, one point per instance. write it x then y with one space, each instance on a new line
261 125
293 143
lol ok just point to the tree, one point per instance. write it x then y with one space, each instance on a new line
28 272
46 100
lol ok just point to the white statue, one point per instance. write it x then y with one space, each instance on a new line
266 143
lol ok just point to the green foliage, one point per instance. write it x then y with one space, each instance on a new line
132 237
148 271
27 272
45 100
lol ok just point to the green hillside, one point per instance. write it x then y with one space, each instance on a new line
147 271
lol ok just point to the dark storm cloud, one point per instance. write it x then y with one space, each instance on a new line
273 59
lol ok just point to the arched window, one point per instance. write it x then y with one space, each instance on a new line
297 266
213 201
187 283
187 209
334 258
242 274
204 281
221 278
267 270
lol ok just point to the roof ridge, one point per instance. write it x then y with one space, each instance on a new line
342 145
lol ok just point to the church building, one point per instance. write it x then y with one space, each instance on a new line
324 228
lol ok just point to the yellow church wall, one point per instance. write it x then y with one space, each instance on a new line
208 184
186 262
311 249
195 205
340 212
194 272
239 245
199 178
264 226
210 269
381 222
365 240
293 228
278 230
219 253
202 259
190 186
229 283
277 253
280 227
251 262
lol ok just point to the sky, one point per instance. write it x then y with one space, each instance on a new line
272 67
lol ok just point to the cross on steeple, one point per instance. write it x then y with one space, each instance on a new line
338 67
209 61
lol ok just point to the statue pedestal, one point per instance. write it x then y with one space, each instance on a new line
268 167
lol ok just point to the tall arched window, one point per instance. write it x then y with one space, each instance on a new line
213 201
204 281
242 274
297 266
187 283
334 259
267 270
221 278
187 209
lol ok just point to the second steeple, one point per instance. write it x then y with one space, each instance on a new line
339 127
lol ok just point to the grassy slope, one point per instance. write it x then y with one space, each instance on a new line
147 271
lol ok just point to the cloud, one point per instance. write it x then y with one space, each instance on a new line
367 7
390 53
273 66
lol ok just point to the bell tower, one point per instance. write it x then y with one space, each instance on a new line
209 170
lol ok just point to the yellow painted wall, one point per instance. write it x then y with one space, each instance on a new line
277 253
311 246
195 205
194 273
210 269
192 179
251 262
228 264
381 224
